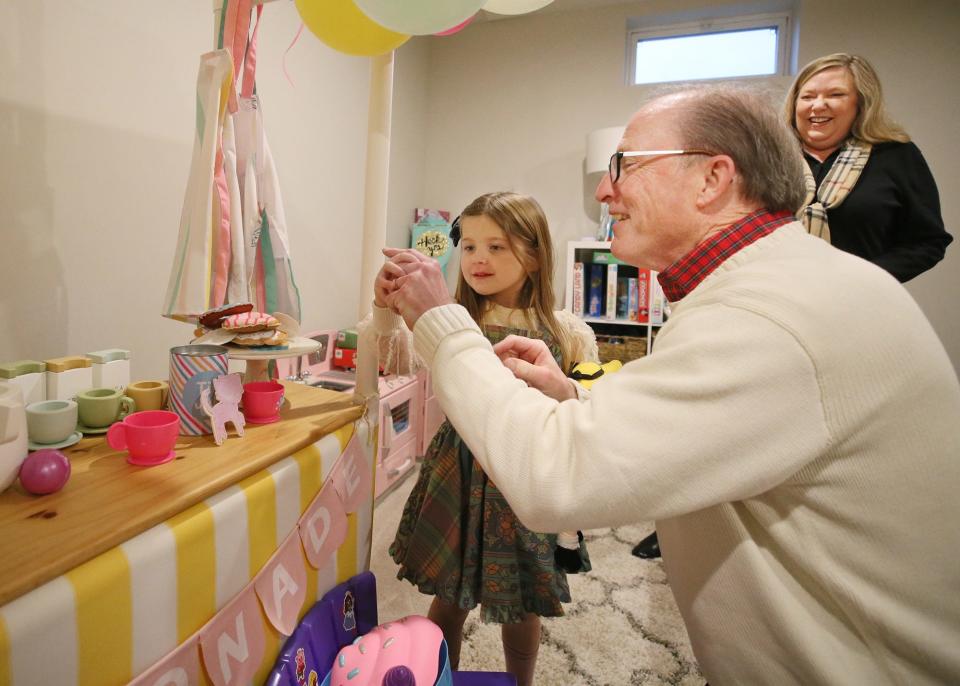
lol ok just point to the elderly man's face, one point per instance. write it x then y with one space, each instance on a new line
653 201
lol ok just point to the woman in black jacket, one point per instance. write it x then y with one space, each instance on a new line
869 190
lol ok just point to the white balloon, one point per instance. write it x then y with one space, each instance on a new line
419 17
514 6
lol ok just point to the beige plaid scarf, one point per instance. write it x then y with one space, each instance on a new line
840 180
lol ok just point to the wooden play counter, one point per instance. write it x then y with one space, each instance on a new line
107 501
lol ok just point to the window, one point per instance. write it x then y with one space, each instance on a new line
734 47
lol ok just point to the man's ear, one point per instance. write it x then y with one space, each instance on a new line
719 176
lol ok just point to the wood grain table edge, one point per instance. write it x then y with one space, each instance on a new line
107 502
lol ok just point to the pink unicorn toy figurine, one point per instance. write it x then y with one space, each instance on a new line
229 390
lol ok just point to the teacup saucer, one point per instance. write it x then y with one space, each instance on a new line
92 430
154 463
65 443
262 420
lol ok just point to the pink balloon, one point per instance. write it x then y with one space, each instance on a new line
44 471
459 27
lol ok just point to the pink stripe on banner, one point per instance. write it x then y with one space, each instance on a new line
221 237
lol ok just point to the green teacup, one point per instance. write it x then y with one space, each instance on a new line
51 421
100 407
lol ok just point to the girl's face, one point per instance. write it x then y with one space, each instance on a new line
487 261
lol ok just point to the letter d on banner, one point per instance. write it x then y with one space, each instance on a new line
323 527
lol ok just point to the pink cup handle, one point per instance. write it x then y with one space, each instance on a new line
117 436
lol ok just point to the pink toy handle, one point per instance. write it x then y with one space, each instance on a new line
117 436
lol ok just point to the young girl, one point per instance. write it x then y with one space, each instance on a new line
458 539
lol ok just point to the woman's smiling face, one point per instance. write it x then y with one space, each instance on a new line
826 107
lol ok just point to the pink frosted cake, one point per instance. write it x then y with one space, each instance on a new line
401 653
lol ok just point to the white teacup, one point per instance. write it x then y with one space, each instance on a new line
51 421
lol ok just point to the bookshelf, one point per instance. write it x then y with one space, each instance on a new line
603 320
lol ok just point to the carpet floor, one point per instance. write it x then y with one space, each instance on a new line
622 628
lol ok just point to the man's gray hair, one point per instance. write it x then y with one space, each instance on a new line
740 123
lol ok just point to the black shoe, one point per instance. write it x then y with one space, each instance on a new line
648 548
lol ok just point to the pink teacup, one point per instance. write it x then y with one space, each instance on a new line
261 401
147 436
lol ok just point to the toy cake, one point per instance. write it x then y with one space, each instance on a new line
401 653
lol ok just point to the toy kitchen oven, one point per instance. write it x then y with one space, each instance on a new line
409 412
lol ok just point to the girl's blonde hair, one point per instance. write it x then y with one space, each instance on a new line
522 220
872 124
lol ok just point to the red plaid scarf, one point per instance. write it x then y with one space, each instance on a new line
685 274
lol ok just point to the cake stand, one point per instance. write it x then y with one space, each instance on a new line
258 360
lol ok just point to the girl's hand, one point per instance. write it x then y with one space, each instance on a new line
385 283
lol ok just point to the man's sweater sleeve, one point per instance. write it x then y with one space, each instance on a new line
710 418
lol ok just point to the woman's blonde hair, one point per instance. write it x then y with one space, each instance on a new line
872 124
522 220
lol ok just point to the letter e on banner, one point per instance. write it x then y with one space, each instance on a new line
282 585
323 527
352 476
232 643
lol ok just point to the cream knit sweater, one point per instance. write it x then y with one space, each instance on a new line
796 437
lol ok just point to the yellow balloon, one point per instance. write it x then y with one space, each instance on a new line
342 26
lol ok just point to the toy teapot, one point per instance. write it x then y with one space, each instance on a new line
13 433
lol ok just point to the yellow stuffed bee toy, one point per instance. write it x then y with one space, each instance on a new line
587 373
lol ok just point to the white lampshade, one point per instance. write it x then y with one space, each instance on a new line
601 144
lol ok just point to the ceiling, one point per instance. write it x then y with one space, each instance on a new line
555 7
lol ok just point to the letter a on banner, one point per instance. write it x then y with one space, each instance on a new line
282 585
323 527
352 476
232 643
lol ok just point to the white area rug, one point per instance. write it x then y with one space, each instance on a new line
622 627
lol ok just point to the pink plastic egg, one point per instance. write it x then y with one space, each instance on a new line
44 471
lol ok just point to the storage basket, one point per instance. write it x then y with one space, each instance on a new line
623 348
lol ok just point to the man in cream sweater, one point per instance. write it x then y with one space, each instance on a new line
796 435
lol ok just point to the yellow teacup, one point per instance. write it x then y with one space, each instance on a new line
149 395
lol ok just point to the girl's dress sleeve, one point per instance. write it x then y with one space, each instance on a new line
584 340
584 344
394 341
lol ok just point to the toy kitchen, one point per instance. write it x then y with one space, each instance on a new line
409 412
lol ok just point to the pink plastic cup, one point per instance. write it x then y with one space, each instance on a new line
147 436
261 401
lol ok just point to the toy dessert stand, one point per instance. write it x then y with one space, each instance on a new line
258 359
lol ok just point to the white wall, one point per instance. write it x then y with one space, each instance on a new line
97 105
97 122
511 102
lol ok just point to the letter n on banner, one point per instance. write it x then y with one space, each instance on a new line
232 643
323 527
181 667
282 585
352 476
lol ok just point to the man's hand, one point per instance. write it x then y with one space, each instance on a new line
531 361
420 288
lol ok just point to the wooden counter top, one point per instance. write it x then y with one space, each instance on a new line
107 501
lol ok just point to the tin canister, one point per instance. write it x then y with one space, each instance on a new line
192 370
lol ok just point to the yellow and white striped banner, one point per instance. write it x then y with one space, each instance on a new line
114 616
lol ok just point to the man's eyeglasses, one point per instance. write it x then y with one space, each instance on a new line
615 159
